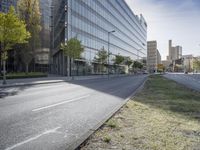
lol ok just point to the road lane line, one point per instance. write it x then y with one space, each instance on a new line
33 138
60 103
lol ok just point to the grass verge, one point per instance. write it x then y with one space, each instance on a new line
163 116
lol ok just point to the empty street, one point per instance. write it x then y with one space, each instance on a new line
54 116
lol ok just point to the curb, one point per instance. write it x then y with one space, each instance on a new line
57 81
76 144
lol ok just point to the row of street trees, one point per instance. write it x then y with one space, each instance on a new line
73 50
20 31
101 58
12 31
119 60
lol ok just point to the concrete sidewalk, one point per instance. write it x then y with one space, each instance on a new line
48 80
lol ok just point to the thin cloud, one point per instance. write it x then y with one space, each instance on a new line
169 19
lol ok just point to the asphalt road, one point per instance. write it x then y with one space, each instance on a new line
190 80
52 116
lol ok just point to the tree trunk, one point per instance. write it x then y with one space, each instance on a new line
63 70
27 68
4 72
72 68
77 68
101 69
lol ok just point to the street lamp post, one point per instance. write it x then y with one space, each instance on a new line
109 51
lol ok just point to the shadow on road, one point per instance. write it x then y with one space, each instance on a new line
116 86
5 92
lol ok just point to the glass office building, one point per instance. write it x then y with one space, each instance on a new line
5 5
42 56
90 21
41 62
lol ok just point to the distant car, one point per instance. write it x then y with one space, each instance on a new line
186 72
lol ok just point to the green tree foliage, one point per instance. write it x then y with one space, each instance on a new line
196 65
137 64
160 68
144 61
102 56
29 11
12 31
119 59
128 61
72 48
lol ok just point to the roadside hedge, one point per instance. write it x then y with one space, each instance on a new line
24 75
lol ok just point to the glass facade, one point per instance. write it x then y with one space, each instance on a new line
45 18
42 57
5 5
90 21
45 22
42 54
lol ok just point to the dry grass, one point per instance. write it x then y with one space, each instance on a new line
164 116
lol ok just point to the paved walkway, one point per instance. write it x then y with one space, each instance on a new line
45 80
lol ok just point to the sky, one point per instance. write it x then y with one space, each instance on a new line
178 20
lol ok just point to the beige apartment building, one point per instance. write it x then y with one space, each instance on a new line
153 56
166 64
188 63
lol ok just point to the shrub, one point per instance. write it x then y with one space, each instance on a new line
107 139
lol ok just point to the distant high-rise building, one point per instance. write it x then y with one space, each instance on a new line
158 57
5 5
153 56
174 52
179 51
170 51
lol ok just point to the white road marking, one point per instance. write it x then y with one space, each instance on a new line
60 103
33 138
